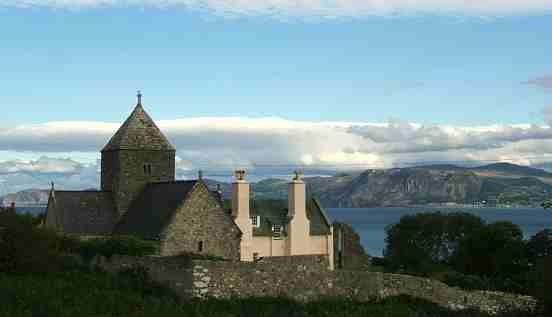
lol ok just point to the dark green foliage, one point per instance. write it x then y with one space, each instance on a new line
497 249
122 245
540 245
462 251
542 283
26 249
464 281
426 241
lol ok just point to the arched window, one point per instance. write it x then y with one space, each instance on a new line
147 169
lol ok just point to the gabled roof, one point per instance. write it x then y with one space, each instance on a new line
319 222
153 209
274 212
139 132
83 212
271 212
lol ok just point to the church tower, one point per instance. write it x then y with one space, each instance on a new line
137 154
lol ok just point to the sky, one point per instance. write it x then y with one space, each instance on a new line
364 83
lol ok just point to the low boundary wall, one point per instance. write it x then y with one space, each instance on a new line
304 278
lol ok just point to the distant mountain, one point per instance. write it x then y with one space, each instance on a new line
503 184
494 184
511 170
26 198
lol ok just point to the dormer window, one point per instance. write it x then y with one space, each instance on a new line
147 169
256 221
277 231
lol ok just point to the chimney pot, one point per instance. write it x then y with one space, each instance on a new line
240 175
299 175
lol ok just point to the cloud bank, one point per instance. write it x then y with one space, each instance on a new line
328 9
232 142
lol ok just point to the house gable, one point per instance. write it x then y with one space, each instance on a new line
200 225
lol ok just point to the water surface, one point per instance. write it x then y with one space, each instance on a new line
370 223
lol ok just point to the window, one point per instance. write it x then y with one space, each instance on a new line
256 221
200 246
147 169
277 231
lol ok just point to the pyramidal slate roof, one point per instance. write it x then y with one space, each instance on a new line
139 132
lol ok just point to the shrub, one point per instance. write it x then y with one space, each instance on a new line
109 246
24 248
465 281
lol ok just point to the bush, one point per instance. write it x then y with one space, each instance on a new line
24 248
465 281
109 246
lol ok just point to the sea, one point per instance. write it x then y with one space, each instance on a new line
370 223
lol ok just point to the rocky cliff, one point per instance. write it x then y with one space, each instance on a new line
493 184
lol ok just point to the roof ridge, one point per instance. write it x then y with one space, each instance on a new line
174 182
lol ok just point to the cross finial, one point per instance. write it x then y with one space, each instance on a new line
139 95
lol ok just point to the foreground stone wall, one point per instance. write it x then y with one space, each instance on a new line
306 278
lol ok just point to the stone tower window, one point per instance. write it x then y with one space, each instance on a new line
200 246
147 169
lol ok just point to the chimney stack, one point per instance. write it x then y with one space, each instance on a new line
299 225
240 212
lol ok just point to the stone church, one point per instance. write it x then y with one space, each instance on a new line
139 196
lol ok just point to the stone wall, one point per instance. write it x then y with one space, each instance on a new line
306 278
348 251
201 220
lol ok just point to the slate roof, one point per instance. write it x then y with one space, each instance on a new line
83 212
139 132
320 223
276 214
153 209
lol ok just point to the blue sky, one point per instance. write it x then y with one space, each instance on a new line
86 64
236 83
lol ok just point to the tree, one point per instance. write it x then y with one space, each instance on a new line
547 204
497 249
425 241
540 245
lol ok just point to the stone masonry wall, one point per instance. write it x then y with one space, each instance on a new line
123 173
306 278
348 251
202 220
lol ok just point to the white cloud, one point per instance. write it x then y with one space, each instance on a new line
231 142
328 9
42 165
